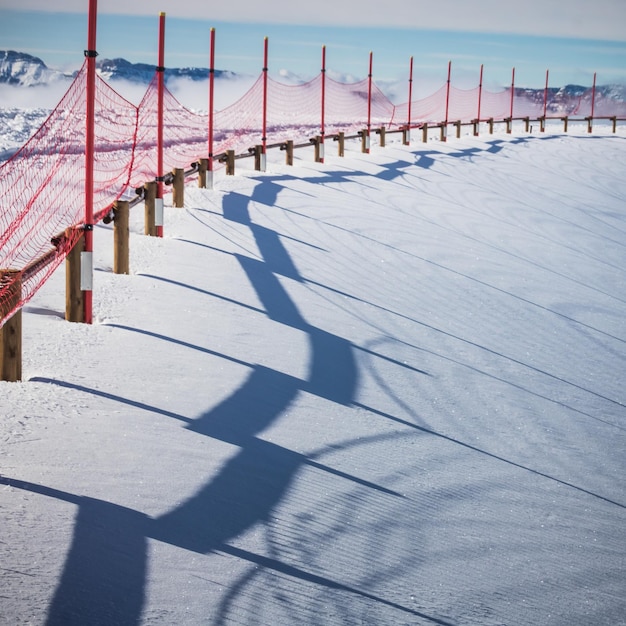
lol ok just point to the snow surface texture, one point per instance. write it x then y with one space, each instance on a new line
388 389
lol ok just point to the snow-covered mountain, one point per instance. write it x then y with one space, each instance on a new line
20 68
559 94
115 69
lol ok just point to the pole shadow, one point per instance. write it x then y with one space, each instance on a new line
105 573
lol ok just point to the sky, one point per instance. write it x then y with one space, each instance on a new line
571 41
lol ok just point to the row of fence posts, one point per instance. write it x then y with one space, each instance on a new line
79 263
11 332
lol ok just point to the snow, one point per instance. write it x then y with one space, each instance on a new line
386 389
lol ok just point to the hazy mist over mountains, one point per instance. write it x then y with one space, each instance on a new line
22 69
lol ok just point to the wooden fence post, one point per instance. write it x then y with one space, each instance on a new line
258 151
425 132
74 308
178 188
527 124
475 125
589 124
149 194
490 120
381 132
406 136
318 148
365 140
542 124
565 120
11 332
120 238
458 129
614 119
288 148
230 162
509 125
443 131
341 143
203 166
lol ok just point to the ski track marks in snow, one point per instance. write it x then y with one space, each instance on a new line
382 390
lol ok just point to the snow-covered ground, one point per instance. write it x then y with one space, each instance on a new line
386 389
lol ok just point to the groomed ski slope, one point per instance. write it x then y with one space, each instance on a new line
386 389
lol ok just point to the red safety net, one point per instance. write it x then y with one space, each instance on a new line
42 186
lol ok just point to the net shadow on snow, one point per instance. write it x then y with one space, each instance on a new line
105 572
104 576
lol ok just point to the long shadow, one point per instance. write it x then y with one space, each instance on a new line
489 454
109 396
104 575
102 580
203 291
478 346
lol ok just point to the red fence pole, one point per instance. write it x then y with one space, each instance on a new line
408 122
444 134
87 254
369 104
211 107
512 94
160 174
593 99
322 129
264 136
545 96
480 97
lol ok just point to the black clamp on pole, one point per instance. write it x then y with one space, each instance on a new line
90 54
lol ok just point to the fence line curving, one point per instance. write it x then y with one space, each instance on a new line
42 185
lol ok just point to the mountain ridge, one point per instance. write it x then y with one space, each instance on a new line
26 70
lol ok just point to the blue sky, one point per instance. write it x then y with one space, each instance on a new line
531 36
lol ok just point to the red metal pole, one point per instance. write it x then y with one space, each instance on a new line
447 98
408 123
265 69
160 77
512 94
87 255
545 96
593 96
211 101
369 102
323 103
480 97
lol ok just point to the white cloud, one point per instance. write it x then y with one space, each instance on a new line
602 19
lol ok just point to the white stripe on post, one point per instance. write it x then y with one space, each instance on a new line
86 271
158 211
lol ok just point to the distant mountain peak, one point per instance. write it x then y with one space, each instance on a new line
11 56
21 68
115 69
